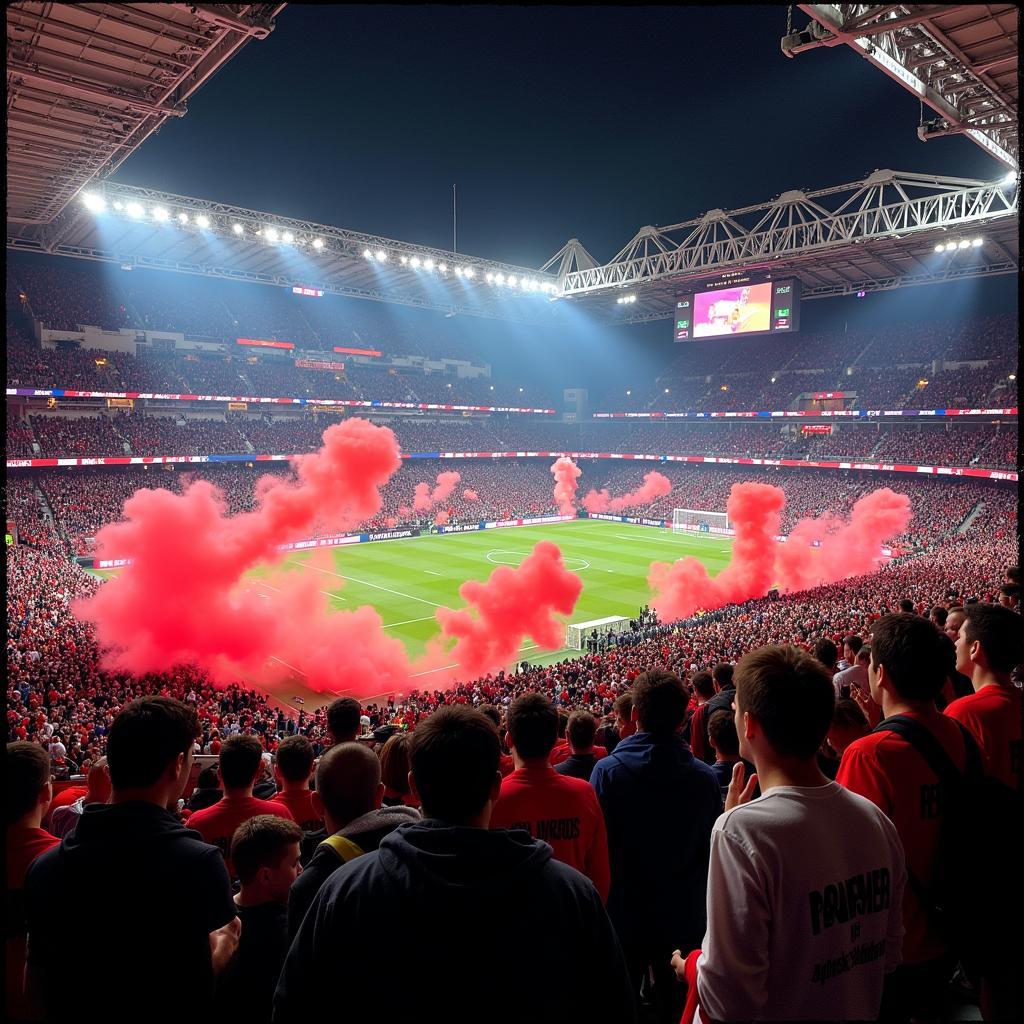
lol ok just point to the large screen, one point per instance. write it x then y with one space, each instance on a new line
764 307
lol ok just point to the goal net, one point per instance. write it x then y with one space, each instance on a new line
576 633
695 520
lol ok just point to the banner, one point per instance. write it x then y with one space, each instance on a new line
261 343
371 352
816 428
317 364
237 406
855 413
120 403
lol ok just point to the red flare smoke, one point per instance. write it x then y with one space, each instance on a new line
442 517
470 495
391 522
425 498
512 604
656 485
566 473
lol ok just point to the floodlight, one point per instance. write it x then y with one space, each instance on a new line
499 278
203 221
492 387
381 255
415 261
443 267
1012 376
950 246
490 278
118 205
135 210
237 228
666 391
628 393
977 242
182 218
512 279
318 243
428 264
94 203
964 244
403 260
367 255
520 391
271 234
940 247
288 237
1010 178
160 214
458 271
470 273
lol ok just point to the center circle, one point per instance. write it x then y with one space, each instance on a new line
521 556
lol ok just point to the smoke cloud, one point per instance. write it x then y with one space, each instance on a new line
470 495
442 517
566 474
426 498
656 485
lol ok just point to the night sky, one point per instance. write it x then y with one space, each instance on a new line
556 122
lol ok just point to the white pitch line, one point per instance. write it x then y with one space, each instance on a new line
432 573
431 671
286 665
406 622
365 583
337 597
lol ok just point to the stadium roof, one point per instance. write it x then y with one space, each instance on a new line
959 59
88 83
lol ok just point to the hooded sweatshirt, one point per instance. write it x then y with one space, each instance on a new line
461 924
366 832
151 891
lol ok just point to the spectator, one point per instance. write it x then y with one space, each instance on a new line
241 762
856 676
848 723
394 767
343 717
726 745
265 851
207 791
506 765
28 790
907 671
452 866
558 809
294 768
265 787
827 653
125 857
906 607
851 645
938 615
725 691
659 804
348 794
583 754
64 819
624 721
796 849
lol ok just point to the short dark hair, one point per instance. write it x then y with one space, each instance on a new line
394 762
791 696
533 725
907 606
454 758
848 713
722 674
826 652
722 730
1000 633
939 614
347 778
343 717
492 712
28 771
261 842
660 701
563 723
854 642
146 737
240 760
864 654
623 705
913 653
581 730
1013 573
208 778
295 758
703 683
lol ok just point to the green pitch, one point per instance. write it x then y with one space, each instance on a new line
407 580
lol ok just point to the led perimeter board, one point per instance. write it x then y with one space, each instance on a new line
738 308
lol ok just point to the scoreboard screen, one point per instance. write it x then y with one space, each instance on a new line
748 308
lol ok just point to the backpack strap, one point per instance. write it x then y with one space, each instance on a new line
922 740
344 848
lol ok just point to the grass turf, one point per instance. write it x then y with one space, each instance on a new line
407 580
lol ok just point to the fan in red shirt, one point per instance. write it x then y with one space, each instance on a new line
64 798
293 768
28 789
561 810
241 761
909 665
990 644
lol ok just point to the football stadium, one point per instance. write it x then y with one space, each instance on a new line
482 543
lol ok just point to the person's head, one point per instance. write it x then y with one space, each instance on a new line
492 712
98 782
722 734
722 676
623 708
581 730
909 662
1012 574
28 788
454 766
241 762
394 763
208 778
848 724
703 685
265 853
938 615
532 726
991 642
1009 595
295 761
851 646
784 704
343 719
563 723
660 701
149 748
826 652
906 606
954 620
348 784
864 655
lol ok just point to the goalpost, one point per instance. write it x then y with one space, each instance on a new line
695 520
576 633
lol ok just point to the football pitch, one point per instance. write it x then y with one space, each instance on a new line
408 580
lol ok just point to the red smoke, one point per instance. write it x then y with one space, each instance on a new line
512 604
391 522
759 562
655 485
470 495
846 549
442 517
566 474
425 498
